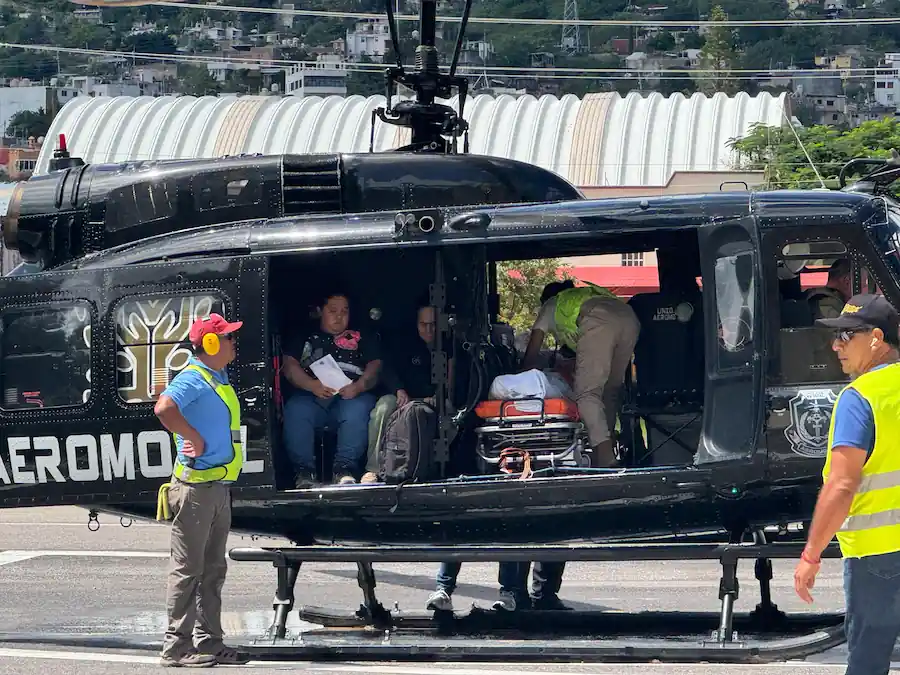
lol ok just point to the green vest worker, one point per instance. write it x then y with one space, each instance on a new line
860 498
201 409
602 330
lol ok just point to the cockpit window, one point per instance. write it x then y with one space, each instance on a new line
151 341
45 357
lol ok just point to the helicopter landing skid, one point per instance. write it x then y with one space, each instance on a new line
373 632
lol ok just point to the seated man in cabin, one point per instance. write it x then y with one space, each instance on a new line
314 404
407 375
826 302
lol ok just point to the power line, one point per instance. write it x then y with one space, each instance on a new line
514 71
660 23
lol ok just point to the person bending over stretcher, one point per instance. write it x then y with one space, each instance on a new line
602 330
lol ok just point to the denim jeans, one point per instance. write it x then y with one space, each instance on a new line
511 576
546 579
304 414
872 589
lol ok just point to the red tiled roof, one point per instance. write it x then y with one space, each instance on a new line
628 281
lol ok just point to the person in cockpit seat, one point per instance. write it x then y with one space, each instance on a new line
313 404
826 302
602 330
406 373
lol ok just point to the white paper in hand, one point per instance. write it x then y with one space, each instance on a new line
329 373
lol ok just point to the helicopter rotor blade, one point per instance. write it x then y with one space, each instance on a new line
459 38
392 25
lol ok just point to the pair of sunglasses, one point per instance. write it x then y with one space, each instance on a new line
846 335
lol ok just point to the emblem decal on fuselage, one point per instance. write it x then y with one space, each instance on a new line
811 411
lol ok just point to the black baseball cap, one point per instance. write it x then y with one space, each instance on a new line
865 312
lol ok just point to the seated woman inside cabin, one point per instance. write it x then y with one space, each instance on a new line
314 405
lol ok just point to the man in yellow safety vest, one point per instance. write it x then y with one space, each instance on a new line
201 410
602 330
860 498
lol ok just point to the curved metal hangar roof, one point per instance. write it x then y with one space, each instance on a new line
600 140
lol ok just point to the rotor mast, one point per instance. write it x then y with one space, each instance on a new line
435 127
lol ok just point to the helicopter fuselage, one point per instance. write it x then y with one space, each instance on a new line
88 344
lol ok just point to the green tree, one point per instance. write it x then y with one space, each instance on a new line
693 40
775 151
718 55
26 123
149 43
520 284
196 81
661 42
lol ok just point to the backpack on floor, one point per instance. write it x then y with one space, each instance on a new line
407 448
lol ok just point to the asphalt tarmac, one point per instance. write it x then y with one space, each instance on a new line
72 598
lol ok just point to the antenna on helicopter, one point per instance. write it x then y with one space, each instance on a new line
429 121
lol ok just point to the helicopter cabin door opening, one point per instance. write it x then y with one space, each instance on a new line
491 297
84 357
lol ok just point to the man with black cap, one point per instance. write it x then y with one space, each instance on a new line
201 410
860 499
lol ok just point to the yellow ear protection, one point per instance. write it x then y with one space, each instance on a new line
211 344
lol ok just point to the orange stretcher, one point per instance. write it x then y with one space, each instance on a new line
551 408
539 431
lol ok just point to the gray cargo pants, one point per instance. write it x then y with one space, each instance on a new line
607 333
201 521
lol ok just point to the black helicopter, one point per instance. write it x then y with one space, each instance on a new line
725 421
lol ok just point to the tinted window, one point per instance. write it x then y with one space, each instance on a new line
735 309
46 357
151 341
813 280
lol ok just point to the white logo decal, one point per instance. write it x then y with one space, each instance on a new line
90 458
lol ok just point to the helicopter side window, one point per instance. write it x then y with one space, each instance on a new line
46 357
151 341
814 281
735 307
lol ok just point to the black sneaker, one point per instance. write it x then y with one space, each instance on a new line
549 603
305 480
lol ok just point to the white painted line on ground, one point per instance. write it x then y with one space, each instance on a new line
84 554
8 557
76 656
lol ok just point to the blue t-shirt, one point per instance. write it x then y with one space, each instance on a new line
206 412
854 422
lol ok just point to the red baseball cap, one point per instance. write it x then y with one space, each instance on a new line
214 323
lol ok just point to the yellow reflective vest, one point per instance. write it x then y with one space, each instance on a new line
231 470
873 525
568 307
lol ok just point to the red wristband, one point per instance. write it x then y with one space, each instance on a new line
805 558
